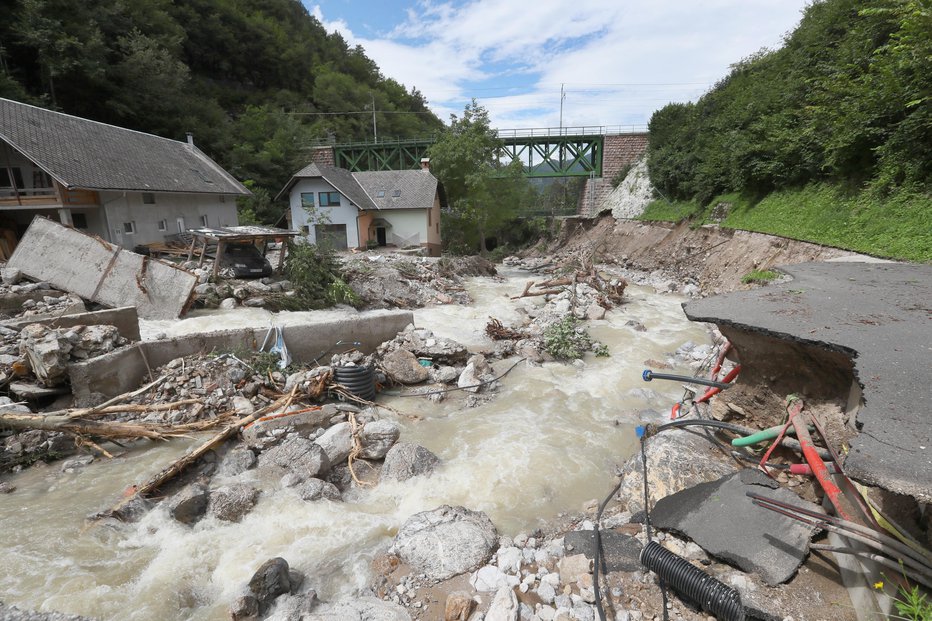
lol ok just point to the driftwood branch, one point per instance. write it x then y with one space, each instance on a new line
179 465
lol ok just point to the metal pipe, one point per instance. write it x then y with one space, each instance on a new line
649 375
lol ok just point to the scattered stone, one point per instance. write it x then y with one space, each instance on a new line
504 606
359 609
189 504
315 489
377 437
336 442
404 367
458 607
232 502
619 552
405 460
295 454
270 580
445 542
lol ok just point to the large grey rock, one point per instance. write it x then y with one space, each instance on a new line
472 376
403 366
270 580
295 454
676 460
725 522
305 423
377 438
47 351
445 542
359 609
10 275
189 504
337 442
245 608
232 502
406 460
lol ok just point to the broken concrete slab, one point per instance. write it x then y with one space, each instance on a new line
872 318
619 552
123 370
725 522
125 319
102 272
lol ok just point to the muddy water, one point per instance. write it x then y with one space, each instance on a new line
548 443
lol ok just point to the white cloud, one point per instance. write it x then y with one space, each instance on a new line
661 48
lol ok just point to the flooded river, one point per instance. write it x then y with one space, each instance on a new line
547 443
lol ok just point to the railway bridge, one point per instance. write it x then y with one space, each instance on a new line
595 153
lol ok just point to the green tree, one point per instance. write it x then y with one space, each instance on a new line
483 192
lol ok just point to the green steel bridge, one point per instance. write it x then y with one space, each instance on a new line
547 152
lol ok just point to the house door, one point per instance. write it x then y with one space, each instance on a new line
181 226
380 235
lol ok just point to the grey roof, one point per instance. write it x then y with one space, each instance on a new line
80 153
417 187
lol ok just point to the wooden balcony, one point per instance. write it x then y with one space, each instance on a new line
48 197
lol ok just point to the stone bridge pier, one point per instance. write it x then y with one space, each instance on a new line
618 151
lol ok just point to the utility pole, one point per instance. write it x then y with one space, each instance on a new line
375 130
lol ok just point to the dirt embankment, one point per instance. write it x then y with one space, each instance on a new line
713 258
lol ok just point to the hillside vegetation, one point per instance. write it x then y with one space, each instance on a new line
256 81
827 139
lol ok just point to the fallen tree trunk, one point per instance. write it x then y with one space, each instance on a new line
82 427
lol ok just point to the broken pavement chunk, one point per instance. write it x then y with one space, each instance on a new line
727 524
102 272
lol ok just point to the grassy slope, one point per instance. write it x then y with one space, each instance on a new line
898 226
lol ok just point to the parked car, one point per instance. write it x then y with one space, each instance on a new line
245 260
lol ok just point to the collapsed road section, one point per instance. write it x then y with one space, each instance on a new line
102 272
876 315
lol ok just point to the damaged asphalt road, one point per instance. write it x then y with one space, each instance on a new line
877 314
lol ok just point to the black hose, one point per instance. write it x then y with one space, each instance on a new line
649 375
690 582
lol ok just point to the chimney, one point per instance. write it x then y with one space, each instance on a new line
425 164
190 139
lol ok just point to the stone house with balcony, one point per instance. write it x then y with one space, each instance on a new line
127 187
399 208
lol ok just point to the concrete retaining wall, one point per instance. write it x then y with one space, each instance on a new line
122 371
125 320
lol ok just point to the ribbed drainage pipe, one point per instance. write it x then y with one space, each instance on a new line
359 380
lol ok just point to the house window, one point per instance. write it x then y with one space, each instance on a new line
203 220
333 235
428 217
7 182
306 230
329 199
307 200
163 225
148 198
129 227
380 194
79 220
396 193
222 198
41 179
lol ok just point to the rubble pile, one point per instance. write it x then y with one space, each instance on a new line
48 351
400 281
53 305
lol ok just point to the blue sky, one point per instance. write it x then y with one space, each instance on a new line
617 61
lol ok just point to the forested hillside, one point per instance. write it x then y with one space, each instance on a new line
843 109
233 72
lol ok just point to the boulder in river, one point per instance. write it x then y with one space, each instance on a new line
232 502
405 460
445 542
270 580
377 438
295 454
404 367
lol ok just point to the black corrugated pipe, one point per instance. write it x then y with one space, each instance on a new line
690 582
358 380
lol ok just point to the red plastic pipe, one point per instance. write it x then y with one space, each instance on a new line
711 392
819 469
806 469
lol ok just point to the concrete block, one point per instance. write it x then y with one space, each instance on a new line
125 319
98 271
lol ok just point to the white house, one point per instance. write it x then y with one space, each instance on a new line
128 187
353 210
